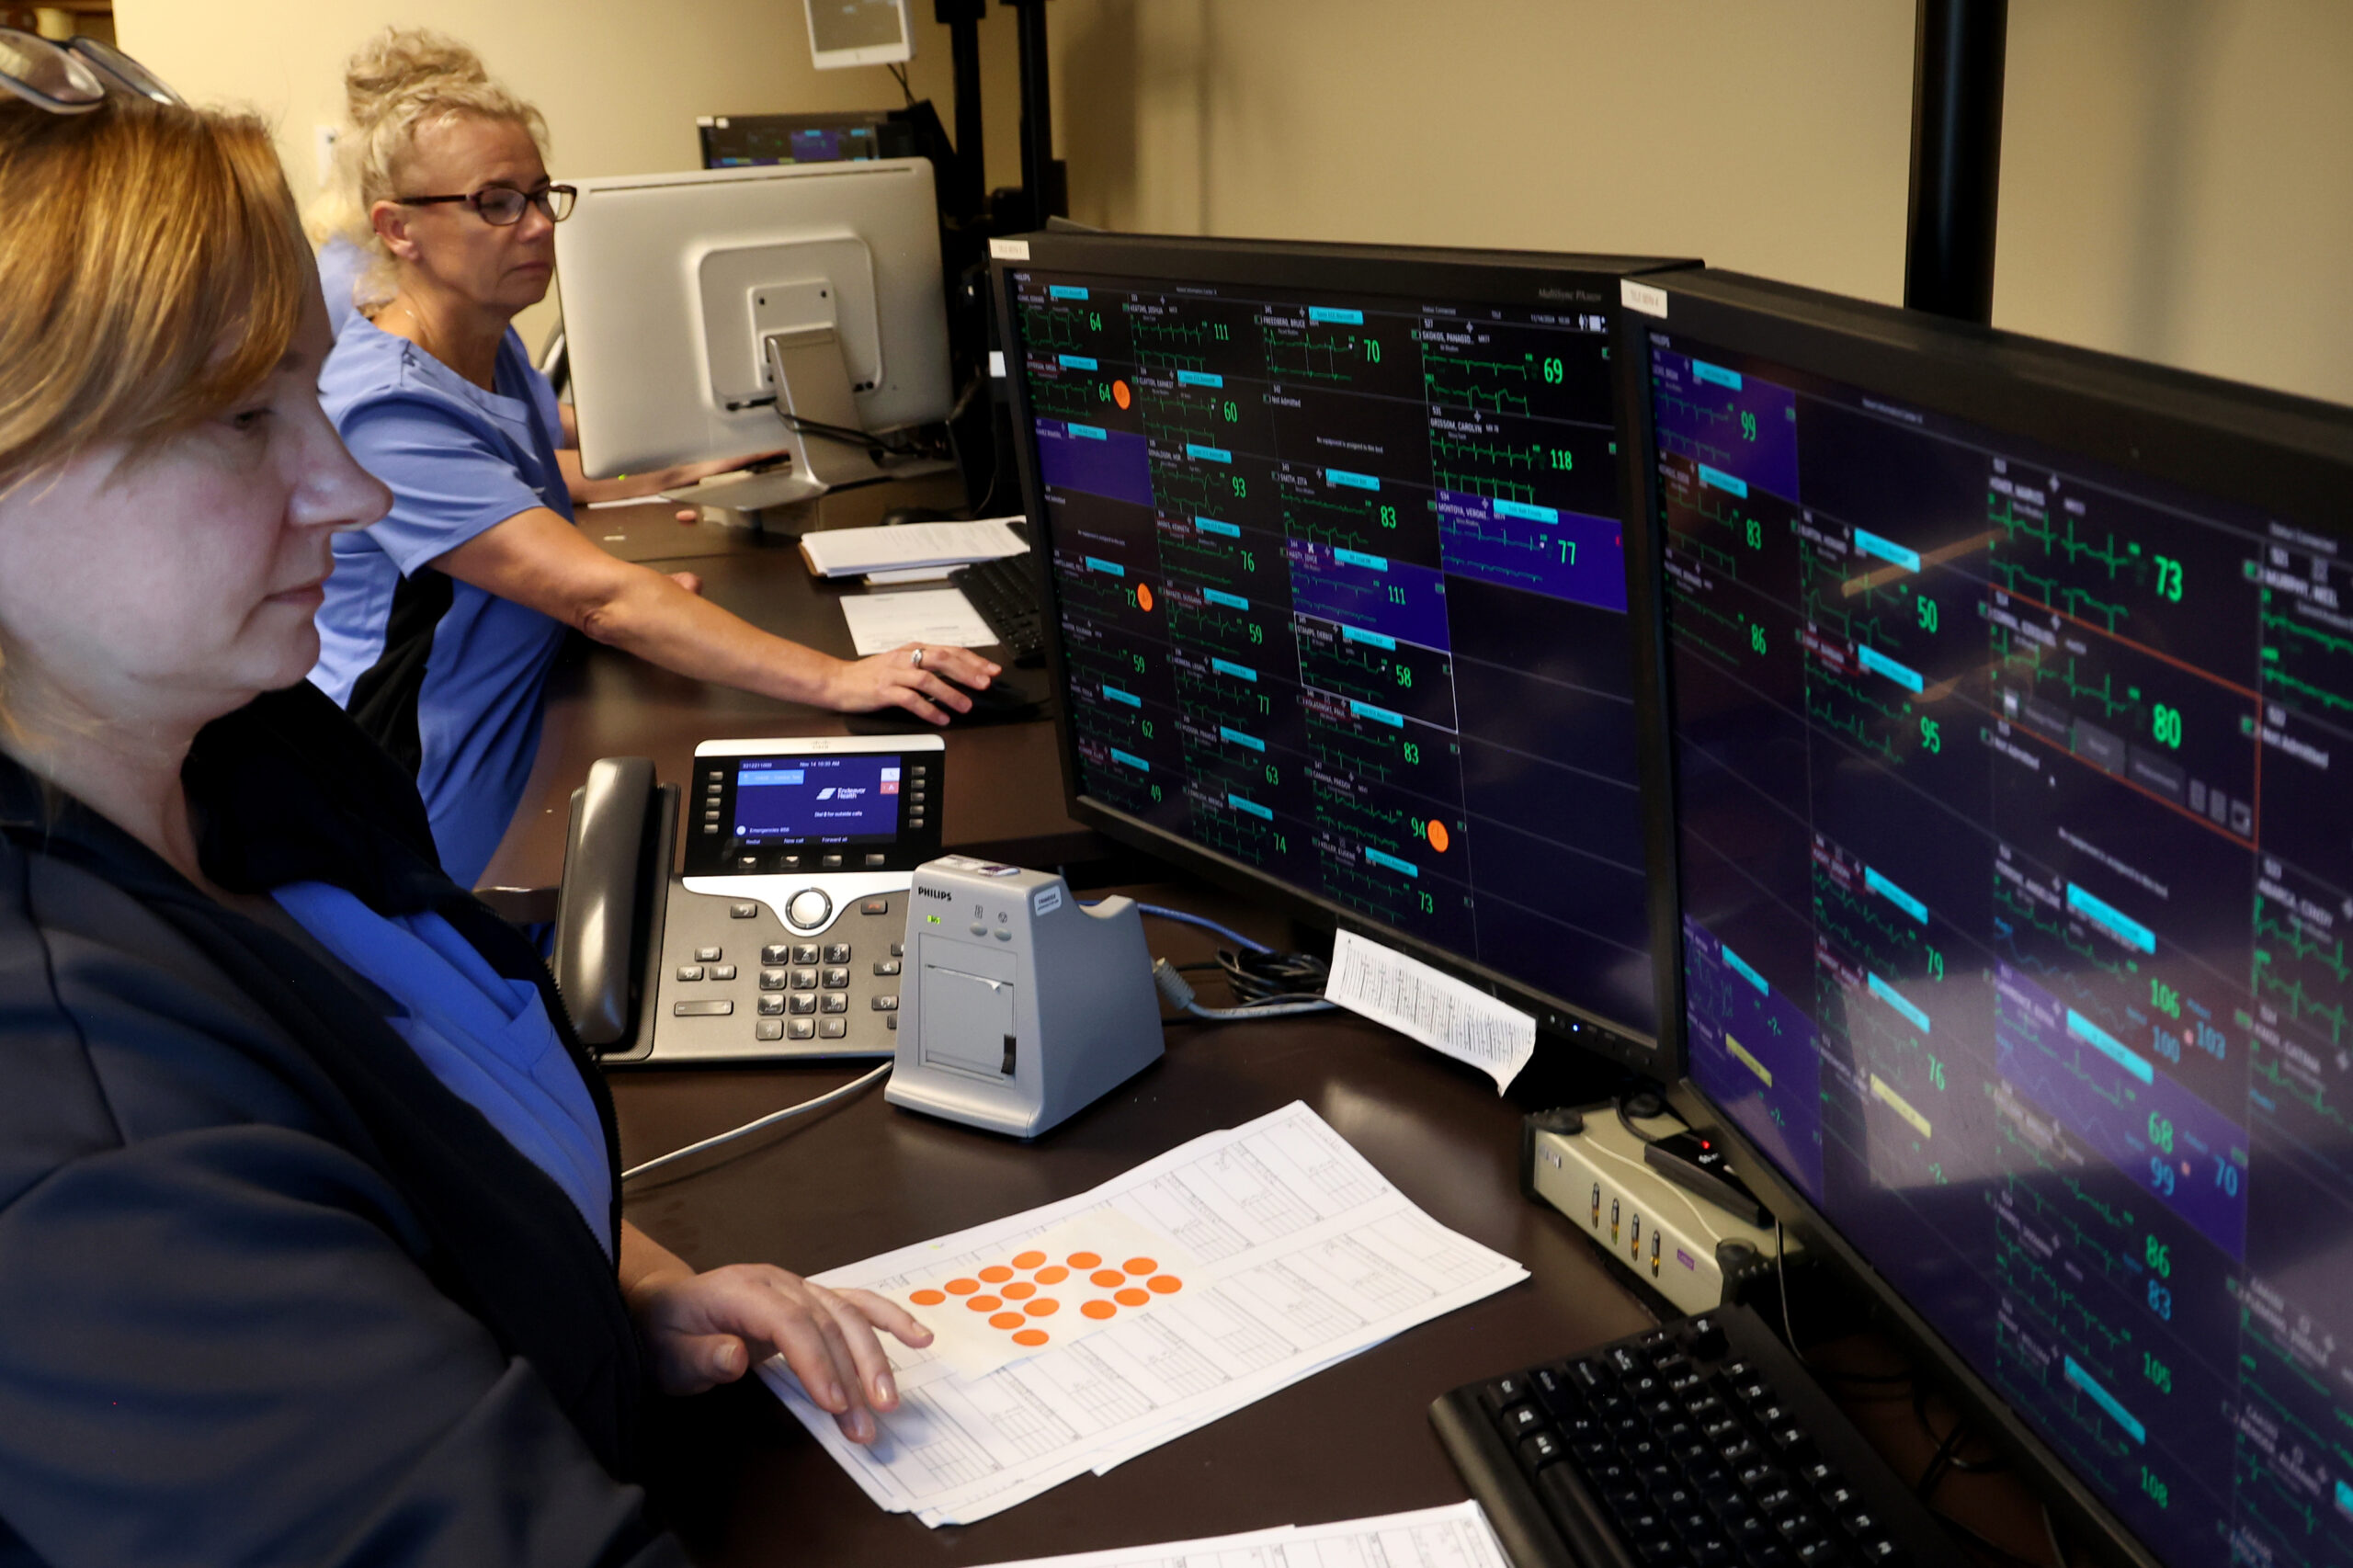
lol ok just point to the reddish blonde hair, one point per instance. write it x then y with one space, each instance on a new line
153 272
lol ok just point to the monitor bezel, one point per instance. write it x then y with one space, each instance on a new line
1501 278
2268 450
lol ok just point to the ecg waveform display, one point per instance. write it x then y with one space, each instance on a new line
1317 559
2031 759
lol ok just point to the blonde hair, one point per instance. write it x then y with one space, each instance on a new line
400 82
154 273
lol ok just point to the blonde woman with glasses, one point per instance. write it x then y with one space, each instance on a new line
442 620
311 1246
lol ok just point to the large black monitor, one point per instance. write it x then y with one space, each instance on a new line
2007 687
1339 592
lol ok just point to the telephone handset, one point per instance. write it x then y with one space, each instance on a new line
615 893
783 938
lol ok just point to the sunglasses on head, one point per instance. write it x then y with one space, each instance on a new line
73 77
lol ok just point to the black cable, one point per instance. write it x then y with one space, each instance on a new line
899 71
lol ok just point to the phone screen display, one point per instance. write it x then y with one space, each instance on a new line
831 799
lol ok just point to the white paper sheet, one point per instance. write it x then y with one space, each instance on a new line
1424 1003
1453 1537
851 552
1305 1255
879 622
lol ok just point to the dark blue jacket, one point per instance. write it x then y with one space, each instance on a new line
267 1291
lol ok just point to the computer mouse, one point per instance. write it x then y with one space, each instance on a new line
1005 700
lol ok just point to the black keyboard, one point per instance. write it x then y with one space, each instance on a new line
1005 594
1703 1442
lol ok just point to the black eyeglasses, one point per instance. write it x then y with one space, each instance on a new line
503 205
73 77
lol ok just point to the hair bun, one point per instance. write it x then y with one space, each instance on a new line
401 62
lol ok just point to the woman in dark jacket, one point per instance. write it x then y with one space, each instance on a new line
310 1236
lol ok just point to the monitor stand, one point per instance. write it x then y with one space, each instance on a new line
805 366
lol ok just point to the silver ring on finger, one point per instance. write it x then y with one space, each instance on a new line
915 658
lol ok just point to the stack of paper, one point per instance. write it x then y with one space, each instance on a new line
1456 1537
1290 1253
853 552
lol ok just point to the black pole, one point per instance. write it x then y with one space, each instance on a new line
963 19
1039 172
1957 65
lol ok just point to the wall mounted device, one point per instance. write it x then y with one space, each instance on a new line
782 938
1586 1164
1021 1005
843 33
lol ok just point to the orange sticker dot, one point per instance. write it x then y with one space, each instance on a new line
1141 1266
962 1287
927 1297
1044 1307
1034 1337
1107 1277
984 1303
1007 1320
1438 836
1083 1259
1166 1284
1053 1274
1132 1297
1120 394
1098 1309
996 1274
1027 1259
1018 1289
1144 595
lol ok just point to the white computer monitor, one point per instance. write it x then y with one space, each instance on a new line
687 298
859 32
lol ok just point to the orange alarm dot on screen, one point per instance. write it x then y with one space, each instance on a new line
984 1303
1027 1259
1034 1337
1438 836
1132 1297
1052 1274
1139 1265
927 1297
1166 1284
1083 1259
1119 393
1144 595
996 1274
962 1287
1018 1289
1098 1309
1044 1307
1007 1320
1107 1277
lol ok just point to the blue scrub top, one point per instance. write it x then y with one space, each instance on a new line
341 265
446 677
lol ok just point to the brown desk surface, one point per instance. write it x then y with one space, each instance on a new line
1004 789
1351 1441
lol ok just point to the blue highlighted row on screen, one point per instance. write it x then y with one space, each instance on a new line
1130 697
2112 920
1220 596
1739 966
1228 667
1079 362
1887 549
1381 858
1703 371
1378 715
1523 512
1895 999
2108 1402
1332 316
1370 639
1064 291
1253 807
2108 1045
1108 568
1878 663
1200 378
1211 526
1724 480
1088 432
1342 479
747 779
1895 895
1129 759
1207 454
1358 558
1238 738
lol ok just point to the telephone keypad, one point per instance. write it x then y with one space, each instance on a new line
833 994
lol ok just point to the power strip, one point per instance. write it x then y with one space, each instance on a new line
1671 1239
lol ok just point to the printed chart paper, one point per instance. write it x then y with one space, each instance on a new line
1303 1254
879 622
1426 1005
1454 1537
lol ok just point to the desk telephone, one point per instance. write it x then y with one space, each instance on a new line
784 934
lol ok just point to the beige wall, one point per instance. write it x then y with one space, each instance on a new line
621 81
2178 179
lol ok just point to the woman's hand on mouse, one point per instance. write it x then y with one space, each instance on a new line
921 677
710 1328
